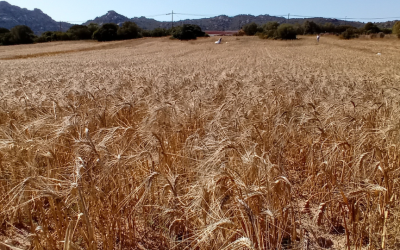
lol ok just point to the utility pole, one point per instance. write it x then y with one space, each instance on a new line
60 27
172 23
345 21
288 17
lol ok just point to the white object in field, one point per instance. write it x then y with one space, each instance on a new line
379 54
317 38
219 41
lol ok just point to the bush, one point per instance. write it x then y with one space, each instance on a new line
4 30
107 32
269 30
396 29
7 39
250 29
240 33
160 32
146 33
60 36
381 35
129 30
22 34
371 28
311 28
342 28
328 27
350 33
50 36
93 27
188 32
286 32
79 32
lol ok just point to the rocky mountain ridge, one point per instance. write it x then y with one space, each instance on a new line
39 22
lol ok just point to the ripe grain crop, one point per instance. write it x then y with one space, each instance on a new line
160 144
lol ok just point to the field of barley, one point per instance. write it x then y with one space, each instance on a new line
164 144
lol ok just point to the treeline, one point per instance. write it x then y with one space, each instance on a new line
274 30
107 32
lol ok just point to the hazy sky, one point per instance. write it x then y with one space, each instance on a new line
83 10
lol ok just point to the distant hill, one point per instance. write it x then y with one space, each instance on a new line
110 17
38 21
221 22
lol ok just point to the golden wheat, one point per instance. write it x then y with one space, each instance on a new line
160 144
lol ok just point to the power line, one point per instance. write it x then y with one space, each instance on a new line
286 16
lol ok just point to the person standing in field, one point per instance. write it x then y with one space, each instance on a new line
318 38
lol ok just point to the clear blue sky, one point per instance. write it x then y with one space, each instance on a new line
83 10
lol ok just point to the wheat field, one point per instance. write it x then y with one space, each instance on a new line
162 144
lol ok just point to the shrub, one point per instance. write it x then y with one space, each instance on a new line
159 32
107 32
350 33
381 35
342 28
93 27
188 32
387 31
22 34
286 32
49 36
129 30
328 27
4 30
311 28
7 39
250 29
371 28
270 30
396 29
60 36
240 33
146 33
79 32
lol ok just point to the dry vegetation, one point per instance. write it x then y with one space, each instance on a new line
159 144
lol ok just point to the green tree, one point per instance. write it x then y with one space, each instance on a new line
342 28
298 28
269 30
250 29
7 39
188 32
22 34
159 32
350 33
129 30
371 28
107 32
93 27
79 32
311 28
3 32
286 32
328 27
396 29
